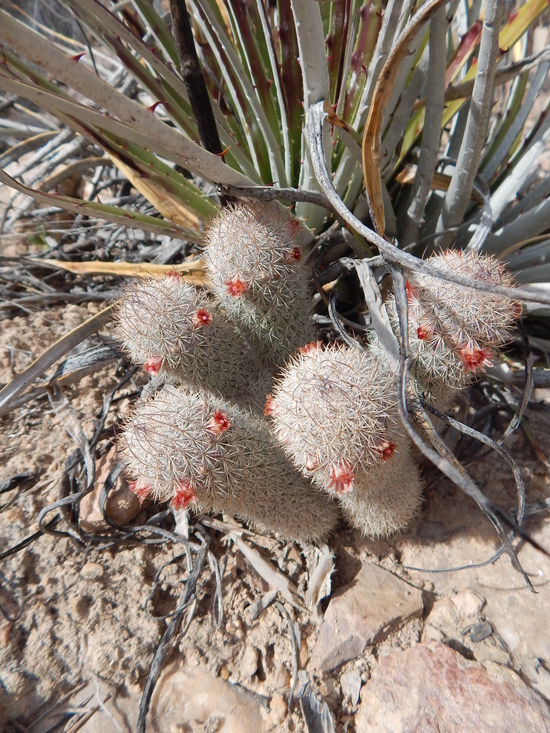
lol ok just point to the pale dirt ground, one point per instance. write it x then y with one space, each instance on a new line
87 638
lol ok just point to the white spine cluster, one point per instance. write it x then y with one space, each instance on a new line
334 411
168 326
255 267
195 449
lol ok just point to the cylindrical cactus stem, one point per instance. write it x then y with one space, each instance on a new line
385 497
454 332
335 412
333 409
255 267
195 449
169 326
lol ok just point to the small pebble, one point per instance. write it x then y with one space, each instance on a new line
468 603
351 686
277 709
249 662
92 571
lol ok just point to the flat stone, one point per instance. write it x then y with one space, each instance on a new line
433 689
187 699
351 686
92 571
121 506
363 613
249 663
468 603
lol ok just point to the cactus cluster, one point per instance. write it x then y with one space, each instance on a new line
192 448
335 412
454 332
330 438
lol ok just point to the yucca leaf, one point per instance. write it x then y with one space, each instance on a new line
291 84
108 213
158 28
262 143
316 84
382 93
149 132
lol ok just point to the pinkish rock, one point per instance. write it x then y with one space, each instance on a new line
121 506
433 689
468 603
362 613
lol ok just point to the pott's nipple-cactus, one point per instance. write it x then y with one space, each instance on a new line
169 326
334 410
455 332
197 450
254 263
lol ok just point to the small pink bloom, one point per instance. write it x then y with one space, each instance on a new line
293 256
153 365
183 496
202 317
219 423
271 407
312 346
312 462
411 291
341 478
422 333
475 359
140 489
385 450
236 287
174 276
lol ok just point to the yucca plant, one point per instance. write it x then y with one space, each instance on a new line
383 134
431 141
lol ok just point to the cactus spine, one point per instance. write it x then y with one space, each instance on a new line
168 326
454 332
335 412
195 449
254 263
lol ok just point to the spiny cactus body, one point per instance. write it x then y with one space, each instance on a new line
385 497
167 325
454 332
334 408
335 413
254 263
193 448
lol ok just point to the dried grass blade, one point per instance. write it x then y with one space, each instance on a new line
48 357
102 211
192 272
265 570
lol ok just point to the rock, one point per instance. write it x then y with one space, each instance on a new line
468 603
92 571
121 505
249 663
277 709
538 676
362 613
186 699
433 689
351 686
280 679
